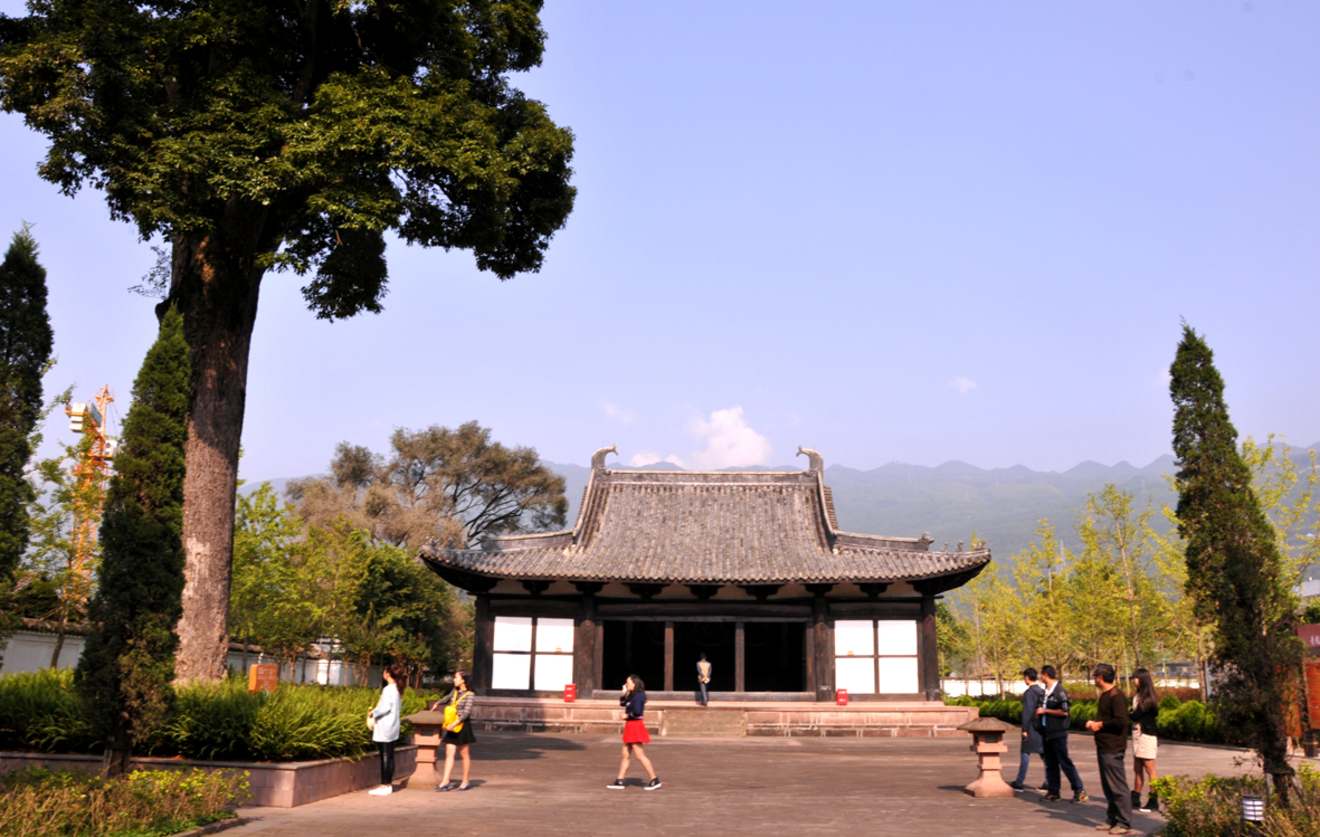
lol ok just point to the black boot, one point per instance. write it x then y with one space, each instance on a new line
1152 803
1136 800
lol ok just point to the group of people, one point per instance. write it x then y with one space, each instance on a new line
1046 719
456 734
384 720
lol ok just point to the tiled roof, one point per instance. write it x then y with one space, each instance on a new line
706 528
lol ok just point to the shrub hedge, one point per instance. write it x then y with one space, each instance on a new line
222 722
1177 721
40 803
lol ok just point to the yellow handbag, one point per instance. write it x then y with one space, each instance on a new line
451 713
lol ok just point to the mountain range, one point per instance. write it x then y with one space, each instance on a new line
1002 506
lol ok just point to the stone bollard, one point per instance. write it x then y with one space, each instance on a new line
988 743
427 726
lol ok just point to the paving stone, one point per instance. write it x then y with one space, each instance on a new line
554 784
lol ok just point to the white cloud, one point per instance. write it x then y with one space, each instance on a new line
617 414
963 384
730 442
650 457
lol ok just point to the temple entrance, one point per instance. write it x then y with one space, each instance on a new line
716 641
633 648
773 655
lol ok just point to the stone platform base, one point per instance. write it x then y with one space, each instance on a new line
272 785
681 719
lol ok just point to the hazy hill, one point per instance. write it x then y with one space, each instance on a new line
950 501
1003 506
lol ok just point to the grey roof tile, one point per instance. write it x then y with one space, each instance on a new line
706 528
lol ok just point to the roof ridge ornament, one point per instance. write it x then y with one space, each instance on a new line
598 458
816 461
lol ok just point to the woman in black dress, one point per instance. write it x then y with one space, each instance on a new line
457 734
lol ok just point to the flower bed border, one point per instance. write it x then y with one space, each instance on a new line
272 784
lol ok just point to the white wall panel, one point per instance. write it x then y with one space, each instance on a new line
898 676
513 633
511 671
853 637
553 671
856 674
897 637
554 635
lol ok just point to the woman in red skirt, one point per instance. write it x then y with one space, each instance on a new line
633 701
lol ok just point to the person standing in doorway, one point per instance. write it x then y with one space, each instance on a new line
703 679
384 723
635 736
1032 740
1111 728
1145 710
1054 715
457 735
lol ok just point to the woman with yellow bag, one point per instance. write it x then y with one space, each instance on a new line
457 735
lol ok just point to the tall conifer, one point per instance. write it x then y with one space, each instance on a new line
1234 569
128 663
25 344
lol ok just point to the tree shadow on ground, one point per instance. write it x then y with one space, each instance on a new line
520 746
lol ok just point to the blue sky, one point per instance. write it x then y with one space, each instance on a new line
911 232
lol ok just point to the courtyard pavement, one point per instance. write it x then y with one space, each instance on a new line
554 784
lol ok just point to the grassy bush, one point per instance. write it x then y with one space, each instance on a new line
226 722
220 722
1207 807
41 711
1212 806
1190 721
1178 720
39 803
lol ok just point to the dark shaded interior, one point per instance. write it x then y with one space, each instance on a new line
633 648
774 656
715 640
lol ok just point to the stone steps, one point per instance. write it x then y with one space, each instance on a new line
704 723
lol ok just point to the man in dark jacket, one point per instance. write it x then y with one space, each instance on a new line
1054 715
1110 727
1032 741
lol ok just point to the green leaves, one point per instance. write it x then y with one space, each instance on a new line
128 662
1236 576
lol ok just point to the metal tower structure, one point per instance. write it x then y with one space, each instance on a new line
91 475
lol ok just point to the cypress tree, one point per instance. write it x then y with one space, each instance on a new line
25 344
128 663
1234 568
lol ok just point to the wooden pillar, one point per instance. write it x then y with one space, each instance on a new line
928 650
483 640
669 656
822 642
600 658
739 658
584 649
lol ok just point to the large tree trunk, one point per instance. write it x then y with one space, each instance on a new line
214 283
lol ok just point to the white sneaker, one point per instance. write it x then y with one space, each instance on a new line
383 790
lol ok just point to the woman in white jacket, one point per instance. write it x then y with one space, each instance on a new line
384 723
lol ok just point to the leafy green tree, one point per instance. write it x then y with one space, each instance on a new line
951 639
290 136
1286 492
1118 537
995 636
1042 610
25 345
1235 573
438 484
272 600
128 663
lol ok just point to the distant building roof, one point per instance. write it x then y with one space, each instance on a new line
706 528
